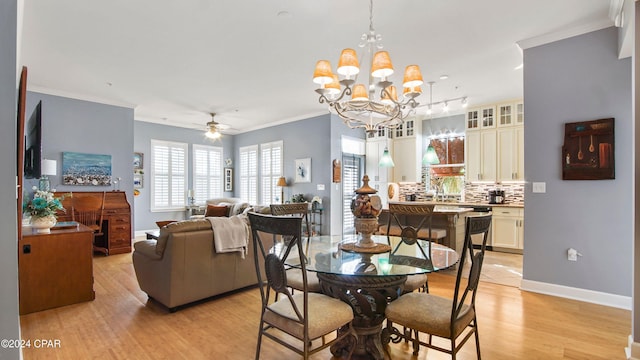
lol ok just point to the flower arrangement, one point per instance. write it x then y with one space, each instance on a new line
43 204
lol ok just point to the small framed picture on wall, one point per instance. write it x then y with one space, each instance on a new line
138 159
137 181
228 179
303 170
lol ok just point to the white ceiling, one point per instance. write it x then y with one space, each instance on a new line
174 62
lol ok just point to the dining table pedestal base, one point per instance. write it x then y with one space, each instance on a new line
368 297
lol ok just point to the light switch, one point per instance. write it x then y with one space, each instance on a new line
539 187
320 187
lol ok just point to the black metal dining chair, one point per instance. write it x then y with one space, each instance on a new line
412 222
294 275
439 316
305 316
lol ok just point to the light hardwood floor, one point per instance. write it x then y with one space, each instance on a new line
122 324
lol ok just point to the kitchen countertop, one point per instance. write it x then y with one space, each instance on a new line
463 204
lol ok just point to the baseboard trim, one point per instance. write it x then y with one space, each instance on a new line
142 232
595 297
633 350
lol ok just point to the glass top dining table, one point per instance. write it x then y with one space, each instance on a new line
325 255
368 281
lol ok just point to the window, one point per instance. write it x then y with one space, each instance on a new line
207 172
270 170
249 174
168 175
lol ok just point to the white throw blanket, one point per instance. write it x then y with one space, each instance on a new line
230 234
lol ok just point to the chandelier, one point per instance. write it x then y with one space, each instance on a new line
375 105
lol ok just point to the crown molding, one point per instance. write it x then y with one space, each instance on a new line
76 96
564 34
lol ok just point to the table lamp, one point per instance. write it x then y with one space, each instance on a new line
282 182
49 167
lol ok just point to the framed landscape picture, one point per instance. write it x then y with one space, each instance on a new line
86 169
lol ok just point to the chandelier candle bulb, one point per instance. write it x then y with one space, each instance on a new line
323 75
389 95
348 64
382 66
412 77
333 88
359 93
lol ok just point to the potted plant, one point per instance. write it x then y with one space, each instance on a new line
42 209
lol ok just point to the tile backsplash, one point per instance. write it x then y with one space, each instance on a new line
473 193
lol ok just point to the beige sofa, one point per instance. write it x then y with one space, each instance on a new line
182 266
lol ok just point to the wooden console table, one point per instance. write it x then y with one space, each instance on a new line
116 223
55 269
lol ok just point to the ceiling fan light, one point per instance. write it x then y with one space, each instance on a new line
213 134
382 66
359 93
412 76
322 74
348 64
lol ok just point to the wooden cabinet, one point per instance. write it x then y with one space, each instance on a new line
116 223
507 228
480 118
55 269
511 153
480 155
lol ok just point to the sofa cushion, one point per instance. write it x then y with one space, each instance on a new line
216 211
164 222
180 226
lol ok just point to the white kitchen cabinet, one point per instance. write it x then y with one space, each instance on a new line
408 159
480 118
510 114
510 153
378 176
507 228
408 129
480 155
407 151
382 133
519 113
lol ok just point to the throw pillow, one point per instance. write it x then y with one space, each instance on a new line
216 211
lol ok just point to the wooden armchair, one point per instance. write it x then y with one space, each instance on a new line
89 210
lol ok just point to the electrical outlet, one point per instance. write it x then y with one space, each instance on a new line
572 254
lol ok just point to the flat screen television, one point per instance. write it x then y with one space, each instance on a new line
33 144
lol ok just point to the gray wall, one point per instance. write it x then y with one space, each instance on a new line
578 79
436 126
9 320
70 125
143 133
317 138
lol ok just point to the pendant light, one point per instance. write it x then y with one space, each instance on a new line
386 160
430 157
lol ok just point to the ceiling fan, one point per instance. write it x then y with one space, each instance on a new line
214 128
